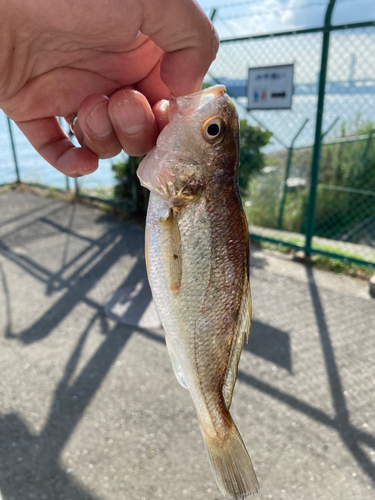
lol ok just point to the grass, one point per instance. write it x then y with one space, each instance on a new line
341 267
345 193
324 262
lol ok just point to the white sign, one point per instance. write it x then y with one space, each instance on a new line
270 87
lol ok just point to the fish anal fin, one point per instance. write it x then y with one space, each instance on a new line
175 364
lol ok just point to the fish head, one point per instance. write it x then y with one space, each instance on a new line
198 149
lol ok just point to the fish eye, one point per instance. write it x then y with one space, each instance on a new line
214 130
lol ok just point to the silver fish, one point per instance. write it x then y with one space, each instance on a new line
197 252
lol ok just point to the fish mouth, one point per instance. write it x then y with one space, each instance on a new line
187 105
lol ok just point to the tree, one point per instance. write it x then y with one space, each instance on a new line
252 160
127 185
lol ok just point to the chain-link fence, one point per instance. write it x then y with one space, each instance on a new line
333 213
316 197
7 158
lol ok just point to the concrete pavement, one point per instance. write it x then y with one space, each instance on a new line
90 408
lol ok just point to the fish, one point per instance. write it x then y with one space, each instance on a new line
197 257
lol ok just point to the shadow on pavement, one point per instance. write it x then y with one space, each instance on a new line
271 344
351 436
256 259
30 464
39 472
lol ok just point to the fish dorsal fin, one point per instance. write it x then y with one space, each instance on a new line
176 364
242 329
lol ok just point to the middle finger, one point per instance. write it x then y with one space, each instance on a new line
133 121
95 124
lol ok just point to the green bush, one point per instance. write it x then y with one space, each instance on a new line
347 171
252 160
351 167
127 187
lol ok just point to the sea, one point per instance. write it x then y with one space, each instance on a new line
34 169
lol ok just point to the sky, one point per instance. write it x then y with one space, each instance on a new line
248 17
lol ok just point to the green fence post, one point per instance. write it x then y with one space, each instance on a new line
76 185
288 164
318 128
14 151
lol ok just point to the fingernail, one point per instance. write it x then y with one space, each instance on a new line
161 112
130 117
98 121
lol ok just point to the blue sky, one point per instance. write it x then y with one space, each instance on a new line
243 17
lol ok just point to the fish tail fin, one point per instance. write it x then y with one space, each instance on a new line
231 465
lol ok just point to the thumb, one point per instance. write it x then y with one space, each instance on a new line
186 35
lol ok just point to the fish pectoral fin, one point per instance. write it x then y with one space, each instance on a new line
169 224
242 330
175 364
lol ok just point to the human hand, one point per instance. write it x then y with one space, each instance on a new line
111 64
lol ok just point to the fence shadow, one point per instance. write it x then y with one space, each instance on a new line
270 344
29 463
353 438
40 471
